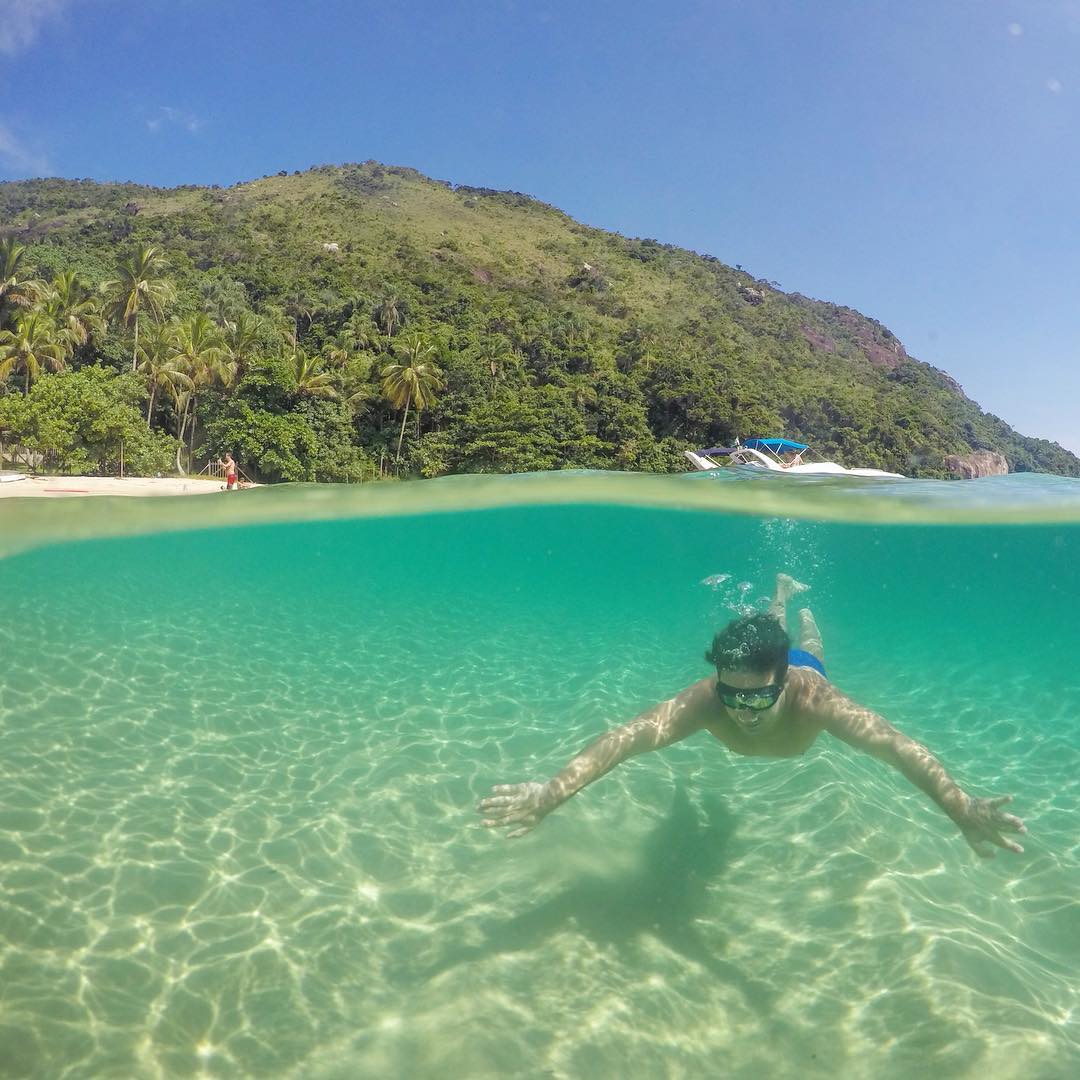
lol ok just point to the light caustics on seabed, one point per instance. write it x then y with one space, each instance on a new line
242 749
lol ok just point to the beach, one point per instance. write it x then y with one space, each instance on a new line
61 486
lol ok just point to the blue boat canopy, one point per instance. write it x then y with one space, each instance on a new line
777 446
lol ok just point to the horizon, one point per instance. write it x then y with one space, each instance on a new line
916 168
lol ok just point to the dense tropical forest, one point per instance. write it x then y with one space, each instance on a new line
364 320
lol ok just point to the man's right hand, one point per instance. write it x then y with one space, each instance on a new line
521 805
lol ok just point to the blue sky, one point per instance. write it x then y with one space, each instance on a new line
918 161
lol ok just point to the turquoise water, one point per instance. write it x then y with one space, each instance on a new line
239 766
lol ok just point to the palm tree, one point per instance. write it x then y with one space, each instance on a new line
240 340
16 291
30 348
140 285
299 306
497 354
352 369
74 308
223 299
312 378
388 315
359 330
582 393
356 393
412 383
159 365
338 351
198 353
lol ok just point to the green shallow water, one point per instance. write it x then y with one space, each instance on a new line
239 765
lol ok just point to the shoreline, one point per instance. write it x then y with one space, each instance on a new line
58 487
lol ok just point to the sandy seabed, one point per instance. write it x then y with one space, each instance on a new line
59 486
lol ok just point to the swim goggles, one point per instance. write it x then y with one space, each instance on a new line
757 699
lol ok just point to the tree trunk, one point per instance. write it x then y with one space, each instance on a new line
135 350
401 436
150 407
181 428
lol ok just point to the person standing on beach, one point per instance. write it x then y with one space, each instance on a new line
230 471
767 700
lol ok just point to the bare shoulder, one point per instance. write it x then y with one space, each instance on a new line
826 707
698 698
688 711
812 698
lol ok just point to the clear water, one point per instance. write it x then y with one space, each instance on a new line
239 766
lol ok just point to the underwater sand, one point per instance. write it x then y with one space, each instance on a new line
239 766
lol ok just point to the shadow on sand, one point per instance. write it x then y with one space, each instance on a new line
662 897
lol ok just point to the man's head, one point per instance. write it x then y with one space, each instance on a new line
751 658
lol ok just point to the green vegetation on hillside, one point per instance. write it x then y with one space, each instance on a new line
358 320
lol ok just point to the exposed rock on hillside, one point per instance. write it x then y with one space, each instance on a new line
818 339
976 464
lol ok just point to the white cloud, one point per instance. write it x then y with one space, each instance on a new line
1054 86
1015 29
182 118
18 160
22 20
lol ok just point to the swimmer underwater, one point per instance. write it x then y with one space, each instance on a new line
767 700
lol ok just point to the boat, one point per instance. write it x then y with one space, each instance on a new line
774 455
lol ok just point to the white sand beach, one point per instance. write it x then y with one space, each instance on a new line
61 486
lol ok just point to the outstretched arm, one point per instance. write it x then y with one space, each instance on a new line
526 805
980 820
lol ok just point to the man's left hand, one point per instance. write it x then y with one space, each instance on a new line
982 823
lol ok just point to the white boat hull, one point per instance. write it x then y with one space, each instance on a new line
756 460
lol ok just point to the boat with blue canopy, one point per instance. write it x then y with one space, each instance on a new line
775 455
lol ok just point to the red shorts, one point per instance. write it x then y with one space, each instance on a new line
230 479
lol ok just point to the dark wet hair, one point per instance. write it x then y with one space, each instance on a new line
752 643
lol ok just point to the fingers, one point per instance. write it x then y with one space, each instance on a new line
1008 845
496 822
498 802
502 815
518 805
983 845
502 795
484 805
507 805
492 823
999 820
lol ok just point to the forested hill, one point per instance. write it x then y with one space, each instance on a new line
352 309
